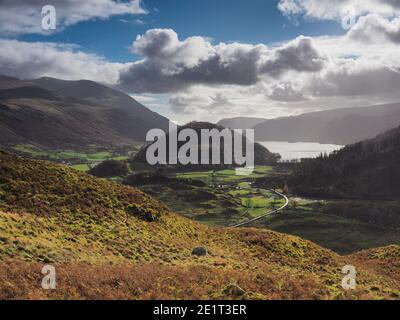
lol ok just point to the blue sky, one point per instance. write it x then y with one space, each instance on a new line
244 21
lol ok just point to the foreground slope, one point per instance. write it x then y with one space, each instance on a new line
111 241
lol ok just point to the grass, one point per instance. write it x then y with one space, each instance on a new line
236 201
81 167
225 176
341 234
226 199
81 161
103 249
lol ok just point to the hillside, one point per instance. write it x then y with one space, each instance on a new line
340 126
262 155
368 170
240 122
56 114
110 241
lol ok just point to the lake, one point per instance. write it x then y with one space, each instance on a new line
292 151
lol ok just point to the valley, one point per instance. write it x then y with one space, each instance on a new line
80 195
220 198
179 153
99 236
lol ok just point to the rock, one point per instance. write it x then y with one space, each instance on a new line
142 212
199 251
233 290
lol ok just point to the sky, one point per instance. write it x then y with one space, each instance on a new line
210 59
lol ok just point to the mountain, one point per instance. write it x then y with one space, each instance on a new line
262 156
58 114
109 241
240 123
368 169
340 126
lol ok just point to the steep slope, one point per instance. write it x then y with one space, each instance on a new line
340 126
240 122
368 169
110 241
57 114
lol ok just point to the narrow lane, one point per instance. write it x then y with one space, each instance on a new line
245 223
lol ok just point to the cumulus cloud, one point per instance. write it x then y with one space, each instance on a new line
170 64
286 92
365 76
31 60
24 16
326 10
298 56
376 29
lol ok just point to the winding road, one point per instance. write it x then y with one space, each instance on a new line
245 223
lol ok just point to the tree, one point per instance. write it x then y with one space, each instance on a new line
110 168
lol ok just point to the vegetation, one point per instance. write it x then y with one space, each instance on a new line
366 170
110 168
220 198
93 231
312 220
79 160
217 198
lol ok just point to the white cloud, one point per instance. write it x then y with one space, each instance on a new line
31 60
376 29
329 10
24 16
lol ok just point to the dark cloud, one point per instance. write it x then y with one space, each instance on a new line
170 65
300 56
285 93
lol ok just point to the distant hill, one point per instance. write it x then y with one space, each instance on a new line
368 169
340 126
110 241
240 123
262 155
57 114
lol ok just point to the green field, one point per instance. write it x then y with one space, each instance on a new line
232 199
81 167
225 176
226 199
78 160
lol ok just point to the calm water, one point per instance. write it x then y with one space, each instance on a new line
299 150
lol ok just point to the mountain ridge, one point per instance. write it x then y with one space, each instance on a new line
338 126
59 114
